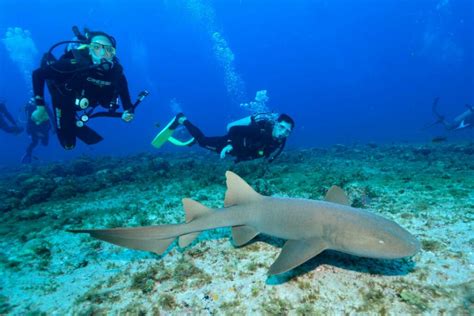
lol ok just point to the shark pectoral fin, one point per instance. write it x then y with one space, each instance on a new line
158 246
243 234
337 195
295 253
238 191
193 210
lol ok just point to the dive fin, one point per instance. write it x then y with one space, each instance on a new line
88 135
238 191
337 195
164 134
243 234
193 210
178 142
295 253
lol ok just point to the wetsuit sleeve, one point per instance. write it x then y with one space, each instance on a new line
63 70
124 93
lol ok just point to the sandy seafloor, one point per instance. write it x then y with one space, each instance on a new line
426 188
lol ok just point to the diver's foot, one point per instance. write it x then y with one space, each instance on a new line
26 159
178 120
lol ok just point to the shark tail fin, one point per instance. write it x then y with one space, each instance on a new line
134 238
193 210
238 191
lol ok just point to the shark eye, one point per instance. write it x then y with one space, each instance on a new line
381 242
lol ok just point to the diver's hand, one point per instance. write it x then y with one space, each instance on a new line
127 116
40 115
227 149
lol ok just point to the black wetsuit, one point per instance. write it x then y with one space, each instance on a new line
5 116
248 141
38 133
72 79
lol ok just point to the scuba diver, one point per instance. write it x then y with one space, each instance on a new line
38 132
12 127
464 120
86 76
253 137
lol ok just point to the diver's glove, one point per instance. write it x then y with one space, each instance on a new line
127 116
227 149
40 115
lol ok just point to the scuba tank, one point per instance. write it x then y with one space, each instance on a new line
255 118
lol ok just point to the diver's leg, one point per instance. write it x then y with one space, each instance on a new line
211 143
27 157
9 128
9 117
32 145
45 139
64 118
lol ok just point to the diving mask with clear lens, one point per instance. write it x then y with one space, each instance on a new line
100 51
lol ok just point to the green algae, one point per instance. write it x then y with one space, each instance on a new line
5 306
414 299
276 306
186 270
431 245
167 301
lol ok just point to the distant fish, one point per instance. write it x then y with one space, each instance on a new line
309 226
439 139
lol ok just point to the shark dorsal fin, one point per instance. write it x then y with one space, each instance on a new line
238 191
193 210
337 195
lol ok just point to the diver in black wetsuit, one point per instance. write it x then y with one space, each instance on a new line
463 120
37 132
258 137
80 80
12 127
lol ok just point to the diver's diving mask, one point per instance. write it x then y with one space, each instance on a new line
100 51
281 130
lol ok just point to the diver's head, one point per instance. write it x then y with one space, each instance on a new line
283 126
101 48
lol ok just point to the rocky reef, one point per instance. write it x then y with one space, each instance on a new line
426 188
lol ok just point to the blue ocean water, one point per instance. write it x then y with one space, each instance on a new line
347 71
